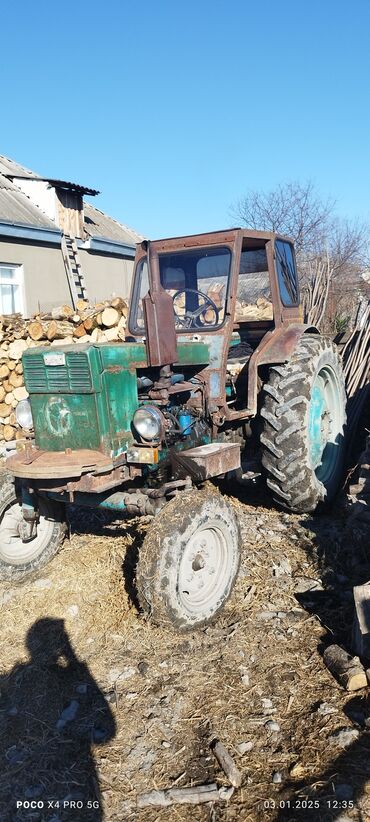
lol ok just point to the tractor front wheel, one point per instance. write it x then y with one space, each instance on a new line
304 415
189 560
20 558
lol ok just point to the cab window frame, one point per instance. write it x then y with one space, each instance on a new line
136 331
280 281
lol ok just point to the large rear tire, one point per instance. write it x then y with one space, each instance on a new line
19 559
304 415
189 561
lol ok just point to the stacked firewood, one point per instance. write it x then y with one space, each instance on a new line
249 312
102 322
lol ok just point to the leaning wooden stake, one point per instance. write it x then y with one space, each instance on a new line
227 763
346 669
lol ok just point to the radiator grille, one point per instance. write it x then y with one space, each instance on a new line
74 376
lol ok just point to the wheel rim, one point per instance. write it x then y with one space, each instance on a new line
13 550
204 572
325 424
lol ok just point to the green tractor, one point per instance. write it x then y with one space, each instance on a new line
218 377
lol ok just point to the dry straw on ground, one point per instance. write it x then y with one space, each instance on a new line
167 695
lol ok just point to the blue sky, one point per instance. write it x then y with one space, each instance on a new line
173 110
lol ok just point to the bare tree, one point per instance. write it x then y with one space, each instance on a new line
330 252
292 209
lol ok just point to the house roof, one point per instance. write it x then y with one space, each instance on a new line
10 168
56 183
17 208
98 224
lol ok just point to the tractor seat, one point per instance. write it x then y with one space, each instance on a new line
241 352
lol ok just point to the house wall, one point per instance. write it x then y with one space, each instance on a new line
44 278
106 277
45 281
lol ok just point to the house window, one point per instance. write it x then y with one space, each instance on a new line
11 282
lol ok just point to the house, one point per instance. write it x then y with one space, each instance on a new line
55 247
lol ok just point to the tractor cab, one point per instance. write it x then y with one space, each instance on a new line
229 289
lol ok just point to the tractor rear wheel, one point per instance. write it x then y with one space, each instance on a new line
189 560
20 559
304 415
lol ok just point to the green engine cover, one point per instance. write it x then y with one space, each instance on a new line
85 396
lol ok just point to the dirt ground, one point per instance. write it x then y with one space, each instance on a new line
97 705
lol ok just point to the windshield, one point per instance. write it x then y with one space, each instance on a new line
197 281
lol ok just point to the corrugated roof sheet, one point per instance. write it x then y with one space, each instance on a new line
98 224
57 183
14 169
16 208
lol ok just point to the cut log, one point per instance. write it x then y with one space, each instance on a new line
16 349
4 409
37 330
16 379
110 317
110 334
119 303
226 762
19 368
2 393
79 330
57 330
9 398
97 335
62 312
20 393
66 341
347 670
179 796
82 305
91 322
9 432
85 339
4 371
11 364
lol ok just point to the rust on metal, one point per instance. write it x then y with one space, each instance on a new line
58 464
159 319
206 460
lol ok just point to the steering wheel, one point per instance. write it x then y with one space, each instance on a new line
196 318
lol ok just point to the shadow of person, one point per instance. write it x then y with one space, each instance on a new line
52 714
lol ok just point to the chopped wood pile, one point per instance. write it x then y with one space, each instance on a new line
102 322
260 310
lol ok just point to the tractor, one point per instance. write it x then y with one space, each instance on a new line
218 377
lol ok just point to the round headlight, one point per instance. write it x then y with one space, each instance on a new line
148 422
23 414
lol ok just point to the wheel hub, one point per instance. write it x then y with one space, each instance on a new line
202 568
18 544
324 423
